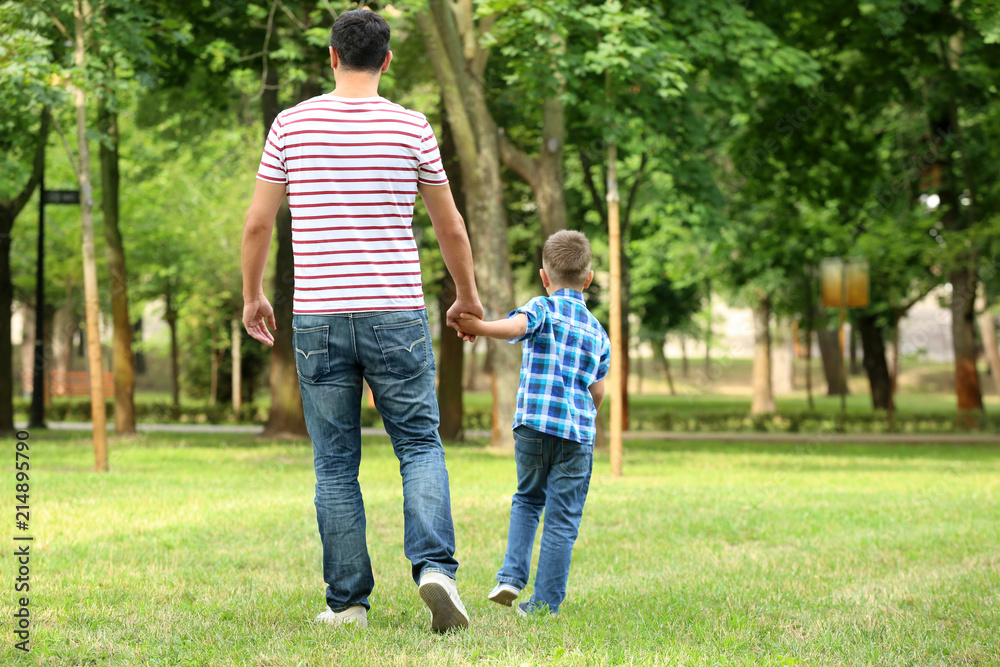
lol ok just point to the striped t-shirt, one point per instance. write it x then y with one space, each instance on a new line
351 168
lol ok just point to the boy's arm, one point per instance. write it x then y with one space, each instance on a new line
597 391
512 327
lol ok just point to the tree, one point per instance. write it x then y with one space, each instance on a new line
451 34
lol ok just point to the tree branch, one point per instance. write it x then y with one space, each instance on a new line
478 65
69 149
588 180
636 182
21 200
518 161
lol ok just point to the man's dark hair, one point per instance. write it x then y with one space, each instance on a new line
361 39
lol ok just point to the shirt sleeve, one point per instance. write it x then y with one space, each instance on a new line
604 365
535 314
272 160
431 170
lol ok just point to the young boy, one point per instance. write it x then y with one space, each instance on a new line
566 356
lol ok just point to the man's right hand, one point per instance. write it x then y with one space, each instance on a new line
257 315
464 305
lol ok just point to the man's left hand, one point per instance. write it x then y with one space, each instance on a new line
257 316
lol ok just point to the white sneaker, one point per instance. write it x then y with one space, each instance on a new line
357 615
504 594
439 592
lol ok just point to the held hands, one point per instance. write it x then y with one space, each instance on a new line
257 316
461 308
470 326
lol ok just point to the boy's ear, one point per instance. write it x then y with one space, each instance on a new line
334 58
545 277
590 279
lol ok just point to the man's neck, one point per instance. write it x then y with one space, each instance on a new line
355 84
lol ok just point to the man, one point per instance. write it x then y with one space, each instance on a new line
352 164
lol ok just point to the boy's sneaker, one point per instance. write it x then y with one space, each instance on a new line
504 594
527 609
356 614
440 594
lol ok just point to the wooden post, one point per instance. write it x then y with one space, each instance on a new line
91 298
843 357
237 373
615 292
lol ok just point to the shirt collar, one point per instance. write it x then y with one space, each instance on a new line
566 293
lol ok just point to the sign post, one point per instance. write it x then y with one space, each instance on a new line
37 416
844 285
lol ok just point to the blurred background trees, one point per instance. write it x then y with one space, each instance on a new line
752 142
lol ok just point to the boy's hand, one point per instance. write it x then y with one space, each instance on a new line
471 306
470 324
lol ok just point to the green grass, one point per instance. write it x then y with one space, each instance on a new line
202 550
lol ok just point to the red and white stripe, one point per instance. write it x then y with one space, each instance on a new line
351 169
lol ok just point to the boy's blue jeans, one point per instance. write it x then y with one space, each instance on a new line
552 474
392 351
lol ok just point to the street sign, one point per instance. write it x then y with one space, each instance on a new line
61 196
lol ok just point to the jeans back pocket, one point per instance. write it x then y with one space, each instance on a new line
527 452
404 347
312 352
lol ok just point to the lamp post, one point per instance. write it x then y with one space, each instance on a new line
36 417
844 285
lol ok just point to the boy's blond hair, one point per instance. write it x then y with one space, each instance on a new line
566 258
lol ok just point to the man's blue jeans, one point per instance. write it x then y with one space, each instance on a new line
552 474
392 352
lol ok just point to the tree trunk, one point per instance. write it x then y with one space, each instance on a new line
763 397
470 372
123 361
286 417
829 349
784 361
945 123
809 372
450 390
175 373
685 364
65 323
963 332
853 360
9 210
988 328
6 309
237 369
27 346
477 144
664 361
213 370
92 297
708 333
544 173
873 348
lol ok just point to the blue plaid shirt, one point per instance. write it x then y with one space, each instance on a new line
565 351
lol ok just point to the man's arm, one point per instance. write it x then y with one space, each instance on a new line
257 311
597 391
512 327
455 249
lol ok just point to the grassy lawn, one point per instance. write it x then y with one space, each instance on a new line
202 550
